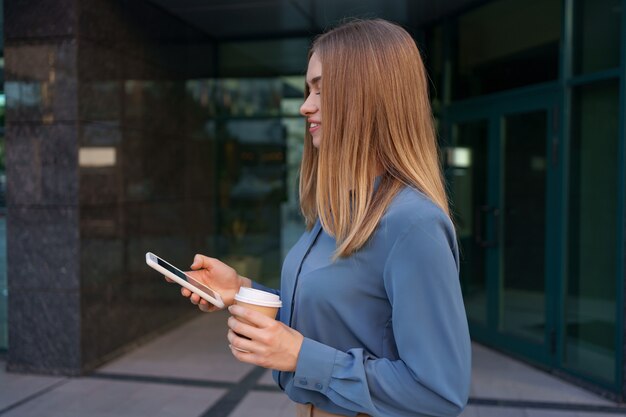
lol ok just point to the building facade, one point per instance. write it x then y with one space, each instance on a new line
173 127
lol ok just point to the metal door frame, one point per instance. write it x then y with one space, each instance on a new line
493 109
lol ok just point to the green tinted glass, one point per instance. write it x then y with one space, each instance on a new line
596 35
434 60
591 284
466 169
523 223
3 230
258 136
498 49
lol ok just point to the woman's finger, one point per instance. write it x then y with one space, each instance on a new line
257 319
194 298
185 292
240 344
205 306
241 355
243 329
201 261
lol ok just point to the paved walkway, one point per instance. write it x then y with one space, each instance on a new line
190 372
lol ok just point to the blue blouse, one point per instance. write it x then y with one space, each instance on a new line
385 331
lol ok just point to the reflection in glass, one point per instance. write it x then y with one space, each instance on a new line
497 48
523 222
209 166
258 139
233 97
466 170
434 62
591 284
596 35
3 229
263 58
292 221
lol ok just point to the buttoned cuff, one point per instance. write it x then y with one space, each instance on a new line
315 366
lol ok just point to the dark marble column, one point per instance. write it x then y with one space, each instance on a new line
106 158
42 187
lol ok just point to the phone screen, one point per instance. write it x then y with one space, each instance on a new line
184 276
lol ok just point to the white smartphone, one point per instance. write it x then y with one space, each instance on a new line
184 280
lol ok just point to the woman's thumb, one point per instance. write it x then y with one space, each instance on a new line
197 262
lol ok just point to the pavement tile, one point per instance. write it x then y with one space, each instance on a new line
470 411
265 404
267 380
549 413
16 387
500 412
581 414
197 349
497 376
558 413
105 398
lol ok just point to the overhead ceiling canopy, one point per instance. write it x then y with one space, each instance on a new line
224 20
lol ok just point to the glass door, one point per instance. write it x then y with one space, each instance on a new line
467 175
522 223
4 292
501 164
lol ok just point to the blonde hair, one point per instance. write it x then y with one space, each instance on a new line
376 115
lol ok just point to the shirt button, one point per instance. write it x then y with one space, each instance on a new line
303 381
319 386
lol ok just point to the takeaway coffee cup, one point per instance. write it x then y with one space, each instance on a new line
262 301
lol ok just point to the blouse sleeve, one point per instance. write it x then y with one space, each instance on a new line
262 287
432 375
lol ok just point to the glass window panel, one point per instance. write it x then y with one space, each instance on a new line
259 139
3 234
497 48
433 59
591 283
247 97
466 171
597 35
523 220
264 58
252 186
292 220
3 229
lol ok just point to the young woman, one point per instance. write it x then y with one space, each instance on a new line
372 320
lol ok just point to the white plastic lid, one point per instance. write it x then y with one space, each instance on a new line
258 297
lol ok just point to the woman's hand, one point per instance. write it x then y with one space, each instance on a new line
272 344
217 275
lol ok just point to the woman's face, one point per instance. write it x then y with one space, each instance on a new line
311 108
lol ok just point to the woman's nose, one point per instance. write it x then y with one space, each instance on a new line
308 107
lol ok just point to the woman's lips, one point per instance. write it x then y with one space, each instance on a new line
313 127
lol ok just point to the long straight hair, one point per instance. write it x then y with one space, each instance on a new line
376 116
